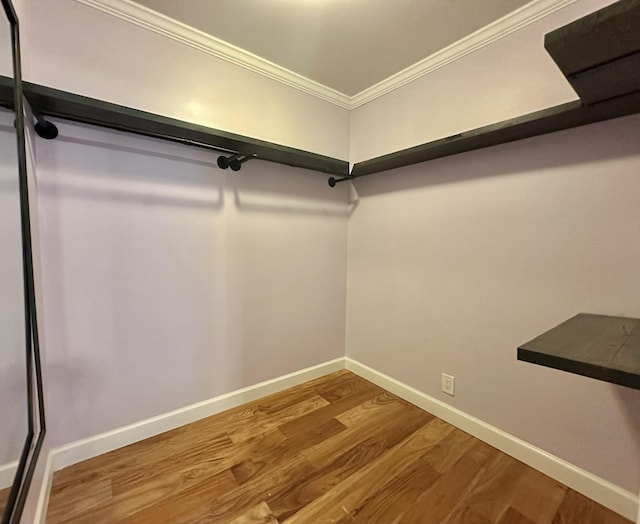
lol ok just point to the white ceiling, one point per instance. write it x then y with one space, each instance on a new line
347 45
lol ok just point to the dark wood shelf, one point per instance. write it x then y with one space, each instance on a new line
565 116
55 103
597 346
599 55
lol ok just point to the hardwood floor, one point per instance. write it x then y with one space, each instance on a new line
337 449
4 495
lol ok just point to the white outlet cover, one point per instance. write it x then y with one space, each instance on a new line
448 384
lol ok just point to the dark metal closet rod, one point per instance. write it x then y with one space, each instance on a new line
48 130
172 138
234 161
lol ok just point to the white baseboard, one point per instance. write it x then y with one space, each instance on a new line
103 443
617 499
609 495
7 473
45 490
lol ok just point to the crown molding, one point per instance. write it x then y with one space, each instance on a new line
163 25
170 28
522 17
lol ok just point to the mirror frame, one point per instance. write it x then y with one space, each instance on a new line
36 427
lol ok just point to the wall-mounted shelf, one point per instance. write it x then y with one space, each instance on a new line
565 116
599 55
597 346
55 103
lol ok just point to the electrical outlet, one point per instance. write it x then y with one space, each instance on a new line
448 384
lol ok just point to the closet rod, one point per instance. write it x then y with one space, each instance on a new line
48 130
173 138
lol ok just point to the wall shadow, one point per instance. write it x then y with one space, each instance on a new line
272 188
101 169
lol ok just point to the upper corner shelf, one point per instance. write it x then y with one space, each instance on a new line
600 57
597 346
600 53
53 102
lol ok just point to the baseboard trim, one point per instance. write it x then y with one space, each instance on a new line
7 474
602 491
103 443
40 516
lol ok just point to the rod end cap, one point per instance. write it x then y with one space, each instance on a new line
46 130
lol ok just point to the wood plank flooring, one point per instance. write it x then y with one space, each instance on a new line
4 496
337 449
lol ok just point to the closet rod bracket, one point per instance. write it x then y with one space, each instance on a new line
234 161
333 181
45 128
